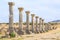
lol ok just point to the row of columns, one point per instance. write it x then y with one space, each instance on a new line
41 21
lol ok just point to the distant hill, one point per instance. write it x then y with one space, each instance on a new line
56 21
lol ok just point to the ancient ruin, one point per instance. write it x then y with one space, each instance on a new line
39 27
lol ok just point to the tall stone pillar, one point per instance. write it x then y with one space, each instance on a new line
27 21
40 24
46 27
20 18
20 32
43 25
11 4
37 24
32 22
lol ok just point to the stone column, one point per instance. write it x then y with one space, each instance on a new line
43 25
46 27
40 24
20 32
37 24
32 22
20 18
27 21
11 16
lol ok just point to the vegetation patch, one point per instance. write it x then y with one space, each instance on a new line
12 34
4 39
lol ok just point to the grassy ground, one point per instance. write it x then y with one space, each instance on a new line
50 35
11 39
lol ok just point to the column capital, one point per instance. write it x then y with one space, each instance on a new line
32 15
37 17
27 12
11 3
20 9
40 18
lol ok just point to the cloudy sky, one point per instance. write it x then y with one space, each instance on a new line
49 10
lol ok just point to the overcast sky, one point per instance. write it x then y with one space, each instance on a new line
49 10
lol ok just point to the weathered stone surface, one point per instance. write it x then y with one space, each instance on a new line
32 22
11 16
27 22
20 20
43 25
40 25
37 24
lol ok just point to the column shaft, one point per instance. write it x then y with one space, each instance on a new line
37 24
11 16
20 18
32 22
40 24
27 21
43 25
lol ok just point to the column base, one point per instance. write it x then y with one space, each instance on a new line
27 31
20 32
36 31
32 31
40 31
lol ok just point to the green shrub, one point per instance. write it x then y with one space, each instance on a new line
12 34
30 23
24 23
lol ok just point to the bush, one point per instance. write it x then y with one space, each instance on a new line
30 23
12 34
24 23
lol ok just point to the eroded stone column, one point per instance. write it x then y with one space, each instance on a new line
20 18
20 32
43 25
32 22
37 24
40 24
46 27
27 21
11 4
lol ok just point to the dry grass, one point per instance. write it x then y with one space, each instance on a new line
50 35
11 39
